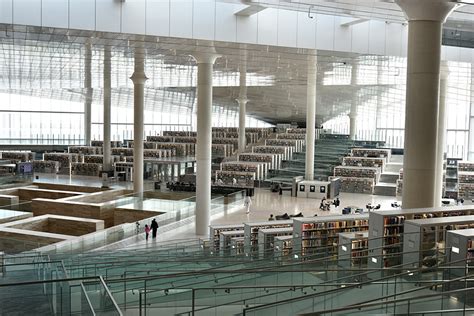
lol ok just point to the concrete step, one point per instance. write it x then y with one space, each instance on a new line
389 177
396 159
393 167
387 189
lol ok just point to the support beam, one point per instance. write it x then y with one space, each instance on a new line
107 163
205 61
88 96
425 20
441 144
139 78
310 116
352 21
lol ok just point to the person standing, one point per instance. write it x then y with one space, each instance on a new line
154 228
147 231
247 203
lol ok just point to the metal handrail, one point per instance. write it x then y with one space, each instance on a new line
419 270
408 299
110 295
87 298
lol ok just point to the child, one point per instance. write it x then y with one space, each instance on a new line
147 231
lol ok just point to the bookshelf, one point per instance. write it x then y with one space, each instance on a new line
451 191
95 159
291 136
17 156
86 169
244 179
271 159
64 159
400 183
177 149
85 150
278 150
460 244
319 235
357 172
239 166
425 242
122 151
364 162
100 143
465 180
251 233
353 249
386 231
41 166
356 185
216 230
237 246
178 133
266 240
297 144
372 152
225 240
283 246
160 139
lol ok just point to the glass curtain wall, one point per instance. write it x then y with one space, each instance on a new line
381 108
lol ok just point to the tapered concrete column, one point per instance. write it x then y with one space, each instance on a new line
353 113
441 145
425 19
205 63
88 88
139 78
107 164
310 116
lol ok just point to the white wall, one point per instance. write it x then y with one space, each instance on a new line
215 20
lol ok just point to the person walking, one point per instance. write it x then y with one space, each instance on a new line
154 228
247 203
147 231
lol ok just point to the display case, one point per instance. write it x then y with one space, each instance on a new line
386 231
425 239
266 239
319 235
251 233
353 249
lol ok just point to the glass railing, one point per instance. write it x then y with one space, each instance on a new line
174 213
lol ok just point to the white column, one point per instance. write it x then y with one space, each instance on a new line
425 19
242 112
88 95
139 78
353 113
107 164
205 63
310 116
441 144
242 100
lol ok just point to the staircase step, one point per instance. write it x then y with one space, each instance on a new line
387 189
389 177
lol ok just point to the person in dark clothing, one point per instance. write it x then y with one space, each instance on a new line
154 228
